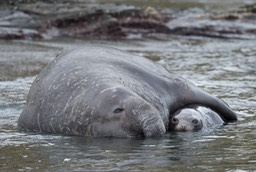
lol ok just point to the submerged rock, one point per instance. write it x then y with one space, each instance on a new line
16 33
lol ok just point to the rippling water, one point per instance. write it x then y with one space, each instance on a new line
225 68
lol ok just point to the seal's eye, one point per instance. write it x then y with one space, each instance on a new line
195 121
118 110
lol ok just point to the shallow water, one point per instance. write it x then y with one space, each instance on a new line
225 68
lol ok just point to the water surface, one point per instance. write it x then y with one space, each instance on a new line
223 67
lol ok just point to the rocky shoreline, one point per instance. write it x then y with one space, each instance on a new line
49 19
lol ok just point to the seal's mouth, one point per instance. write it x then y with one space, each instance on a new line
186 126
183 127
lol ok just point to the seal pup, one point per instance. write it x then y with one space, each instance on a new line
195 118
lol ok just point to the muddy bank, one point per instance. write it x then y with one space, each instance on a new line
50 19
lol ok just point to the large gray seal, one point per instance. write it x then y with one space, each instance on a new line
100 91
195 118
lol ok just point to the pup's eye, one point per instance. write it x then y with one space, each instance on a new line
118 110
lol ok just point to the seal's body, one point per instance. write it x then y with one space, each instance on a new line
194 118
99 91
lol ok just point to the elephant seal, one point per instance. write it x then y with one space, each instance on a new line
194 118
100 91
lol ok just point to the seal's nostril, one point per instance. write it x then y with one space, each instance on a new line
195 121
175 120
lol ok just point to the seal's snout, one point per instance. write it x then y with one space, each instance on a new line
186 119
143 119
185 124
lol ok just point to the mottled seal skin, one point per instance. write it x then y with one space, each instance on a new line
100 91
194 118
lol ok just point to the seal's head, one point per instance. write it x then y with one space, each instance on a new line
186 119
126 114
